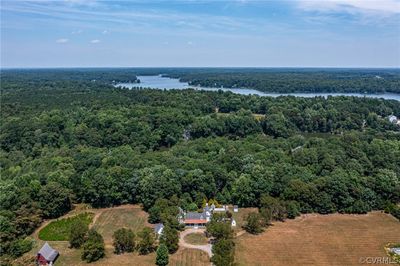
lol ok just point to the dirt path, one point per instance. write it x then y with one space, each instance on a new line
240 233
96 216
182 243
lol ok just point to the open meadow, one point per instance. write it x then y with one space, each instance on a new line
335 239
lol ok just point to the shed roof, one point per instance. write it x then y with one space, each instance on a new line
158 227
48 252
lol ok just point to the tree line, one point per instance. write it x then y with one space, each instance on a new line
297 80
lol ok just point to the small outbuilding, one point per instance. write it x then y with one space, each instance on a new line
233 222
46 255
158 229
235 208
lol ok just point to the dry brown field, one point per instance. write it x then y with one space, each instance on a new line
336 239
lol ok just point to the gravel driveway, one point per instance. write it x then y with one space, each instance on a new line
206 248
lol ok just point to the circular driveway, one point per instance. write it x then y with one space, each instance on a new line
182 243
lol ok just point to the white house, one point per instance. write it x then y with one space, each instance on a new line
200 219
235 208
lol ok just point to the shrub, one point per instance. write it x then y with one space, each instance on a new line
223 252
124 241
162 255
93 249
20 246
253 223
292 208
77 234
146 243
170 239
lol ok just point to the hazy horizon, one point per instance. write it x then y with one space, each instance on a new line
198 67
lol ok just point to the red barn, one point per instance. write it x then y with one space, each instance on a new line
46 255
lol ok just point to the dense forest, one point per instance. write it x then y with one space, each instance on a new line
299 80
275 80
66 139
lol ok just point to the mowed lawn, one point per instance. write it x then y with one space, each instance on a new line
196 239
110 220
336 239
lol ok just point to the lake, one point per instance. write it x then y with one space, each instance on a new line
159 82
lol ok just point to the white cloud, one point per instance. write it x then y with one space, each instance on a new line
190 43
142 19
105 32
77 32
387 7
62 40
94 41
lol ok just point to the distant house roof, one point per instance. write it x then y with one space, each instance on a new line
48 252
392 118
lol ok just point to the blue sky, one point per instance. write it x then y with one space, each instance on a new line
291 33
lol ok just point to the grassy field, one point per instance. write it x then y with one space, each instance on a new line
59 230
335 239
115 218
196 239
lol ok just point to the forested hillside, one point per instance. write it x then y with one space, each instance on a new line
68 140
